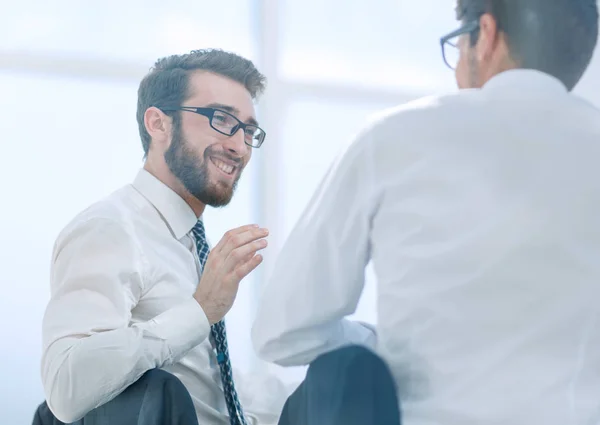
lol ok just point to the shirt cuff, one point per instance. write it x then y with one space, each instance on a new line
360 333
182 327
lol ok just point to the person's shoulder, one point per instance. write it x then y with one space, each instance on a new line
112 213
425 118
418 113
404 133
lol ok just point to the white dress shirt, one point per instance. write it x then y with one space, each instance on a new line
481 214
123 275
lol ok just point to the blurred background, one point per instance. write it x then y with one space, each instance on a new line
69 72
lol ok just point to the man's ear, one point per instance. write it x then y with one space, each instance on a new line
488 38
158 126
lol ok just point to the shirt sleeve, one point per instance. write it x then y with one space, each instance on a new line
91 350
319 275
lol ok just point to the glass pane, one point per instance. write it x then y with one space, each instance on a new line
133 30
383 43
66 144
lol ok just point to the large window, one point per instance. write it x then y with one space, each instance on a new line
128 31
388 43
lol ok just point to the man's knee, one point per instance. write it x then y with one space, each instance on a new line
156 397
351 356
350 364
157 383
158 378
349 385
153 390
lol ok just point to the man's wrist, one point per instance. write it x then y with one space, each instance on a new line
208 311
182 327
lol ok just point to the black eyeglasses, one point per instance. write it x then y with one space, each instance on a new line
449 43
227 124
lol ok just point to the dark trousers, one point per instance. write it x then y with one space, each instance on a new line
157 398
349 386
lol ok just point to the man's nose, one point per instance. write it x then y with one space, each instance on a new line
236 143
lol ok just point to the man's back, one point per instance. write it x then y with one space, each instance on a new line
485 240
479 212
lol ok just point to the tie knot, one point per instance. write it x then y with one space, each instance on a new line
198 230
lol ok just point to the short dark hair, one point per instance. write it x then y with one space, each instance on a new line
557 37
167 82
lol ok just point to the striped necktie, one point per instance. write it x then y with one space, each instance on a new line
219 334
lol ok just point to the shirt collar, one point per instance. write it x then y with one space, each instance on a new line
178 215
525 81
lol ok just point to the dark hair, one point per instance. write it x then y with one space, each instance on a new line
167 82
557 37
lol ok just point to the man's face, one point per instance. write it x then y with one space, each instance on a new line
467 70
208 163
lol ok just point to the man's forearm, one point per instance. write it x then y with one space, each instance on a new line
80 374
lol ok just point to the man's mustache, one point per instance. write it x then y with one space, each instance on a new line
223 156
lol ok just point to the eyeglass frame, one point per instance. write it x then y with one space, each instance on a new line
210 113
465 29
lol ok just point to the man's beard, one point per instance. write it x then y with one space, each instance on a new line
193 172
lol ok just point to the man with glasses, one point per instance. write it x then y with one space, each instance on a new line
479 211
134 330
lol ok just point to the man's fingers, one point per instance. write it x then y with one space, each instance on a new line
236 240
243 253
231 233
243 229
244 269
